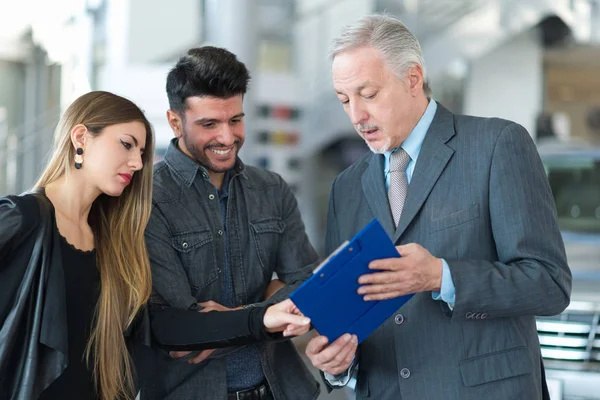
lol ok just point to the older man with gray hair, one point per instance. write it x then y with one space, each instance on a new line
467 203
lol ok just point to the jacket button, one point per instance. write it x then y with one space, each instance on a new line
204 175
185 245
211 196
220 232
405 373
399 319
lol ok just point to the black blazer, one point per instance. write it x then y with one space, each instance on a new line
33 333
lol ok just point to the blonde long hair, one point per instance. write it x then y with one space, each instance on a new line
118 224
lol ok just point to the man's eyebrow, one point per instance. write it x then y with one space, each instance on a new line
202 121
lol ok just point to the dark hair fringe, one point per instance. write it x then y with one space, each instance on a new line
206 71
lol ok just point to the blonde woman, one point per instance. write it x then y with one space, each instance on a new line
74 273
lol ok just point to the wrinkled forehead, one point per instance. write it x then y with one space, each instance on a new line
353 71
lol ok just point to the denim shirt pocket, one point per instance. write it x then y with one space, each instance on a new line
197 254
266 234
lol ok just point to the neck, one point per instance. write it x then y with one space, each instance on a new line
421 107
72 198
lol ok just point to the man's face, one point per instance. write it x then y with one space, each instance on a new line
382 107
212 131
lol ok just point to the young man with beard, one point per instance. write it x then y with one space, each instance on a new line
219 230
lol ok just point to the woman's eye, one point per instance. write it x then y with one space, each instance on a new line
126 145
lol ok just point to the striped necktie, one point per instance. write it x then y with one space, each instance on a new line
398 183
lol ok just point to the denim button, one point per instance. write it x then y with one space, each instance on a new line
220 232
405 373
399 319
185 245
211 196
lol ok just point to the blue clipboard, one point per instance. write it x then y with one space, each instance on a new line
329 296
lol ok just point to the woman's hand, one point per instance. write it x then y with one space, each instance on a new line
286 317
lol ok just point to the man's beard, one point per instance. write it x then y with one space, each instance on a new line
360 128
382 149
200 156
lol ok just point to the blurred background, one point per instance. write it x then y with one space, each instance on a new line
536 62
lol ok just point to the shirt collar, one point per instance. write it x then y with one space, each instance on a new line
414 141
186 169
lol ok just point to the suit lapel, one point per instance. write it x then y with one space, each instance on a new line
433 158
373 185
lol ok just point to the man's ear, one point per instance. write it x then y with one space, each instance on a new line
415 78
175 123
79 136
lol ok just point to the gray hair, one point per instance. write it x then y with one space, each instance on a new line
399 47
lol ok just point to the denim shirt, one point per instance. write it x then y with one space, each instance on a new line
186 244
243 366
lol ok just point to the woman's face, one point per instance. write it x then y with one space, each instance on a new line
112 158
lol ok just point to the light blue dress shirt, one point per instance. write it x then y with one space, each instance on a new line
412 145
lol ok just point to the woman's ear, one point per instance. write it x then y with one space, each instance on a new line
79 136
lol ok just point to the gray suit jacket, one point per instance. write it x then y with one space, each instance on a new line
479 198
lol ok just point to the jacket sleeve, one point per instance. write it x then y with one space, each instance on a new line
296 257
531 276
11 226
169 281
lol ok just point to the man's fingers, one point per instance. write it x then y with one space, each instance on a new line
407 249
209 306
383 287
178 354
201 357
295 330
342 360
273 287
327 354
316 345
381 278
383 296
387 264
